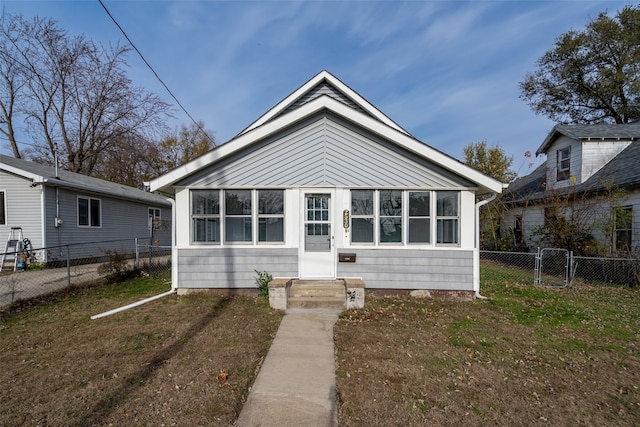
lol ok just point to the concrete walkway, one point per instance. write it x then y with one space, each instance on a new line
296 383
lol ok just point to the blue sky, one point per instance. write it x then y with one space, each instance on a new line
446 71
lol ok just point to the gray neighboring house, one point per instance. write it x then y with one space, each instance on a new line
585 160
73 208
325 186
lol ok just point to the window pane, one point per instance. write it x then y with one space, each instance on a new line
419 230
95 213
447 204
391 203
237 202
362 230
237 229
447 230
271 202
271 230
391 230
205 202
83 212
362 202
419 203
206 230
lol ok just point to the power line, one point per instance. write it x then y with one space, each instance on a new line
156 74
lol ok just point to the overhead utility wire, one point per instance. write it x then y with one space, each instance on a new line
156 74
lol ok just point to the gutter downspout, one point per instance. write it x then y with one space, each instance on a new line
476 249
174 272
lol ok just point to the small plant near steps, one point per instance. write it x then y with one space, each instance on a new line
262 281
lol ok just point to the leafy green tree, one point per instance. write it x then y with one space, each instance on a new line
186 144
590 76
494 162
491 161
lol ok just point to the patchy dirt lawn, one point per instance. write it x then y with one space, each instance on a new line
528 356
181 361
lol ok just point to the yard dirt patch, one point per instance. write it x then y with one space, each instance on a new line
527 356
177 361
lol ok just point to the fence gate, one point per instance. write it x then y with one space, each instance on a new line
553 267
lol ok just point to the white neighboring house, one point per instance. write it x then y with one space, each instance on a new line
587 162
325 186
71 208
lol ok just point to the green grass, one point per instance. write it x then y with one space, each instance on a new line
527 355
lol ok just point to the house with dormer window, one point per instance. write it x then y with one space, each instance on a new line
591 178
324 186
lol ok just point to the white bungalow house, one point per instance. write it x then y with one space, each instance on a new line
591 177
61 208
325 186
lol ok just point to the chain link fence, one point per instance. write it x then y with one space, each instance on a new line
31 273
559 267
80 264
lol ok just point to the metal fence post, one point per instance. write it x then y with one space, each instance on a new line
137 254
68 266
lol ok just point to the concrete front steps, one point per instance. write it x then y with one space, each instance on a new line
317 294
339 294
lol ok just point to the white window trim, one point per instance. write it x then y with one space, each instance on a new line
559 160
433 220
258 216
89 199
204 216
255 217
446 217
159 217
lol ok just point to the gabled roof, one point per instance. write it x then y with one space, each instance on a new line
323 83
602 131
46 175
324 93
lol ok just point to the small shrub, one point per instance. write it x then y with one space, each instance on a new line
116 269
262 281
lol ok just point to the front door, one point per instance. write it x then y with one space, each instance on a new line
316 246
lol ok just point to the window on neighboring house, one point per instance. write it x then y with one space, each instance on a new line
419 217
271 215
564 164
362 216
390 216
623 228
237 216
3 209
89 212
205 214
517 231
447 217
154 218
154 214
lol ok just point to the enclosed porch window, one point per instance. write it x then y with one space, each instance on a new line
379 217
249 216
